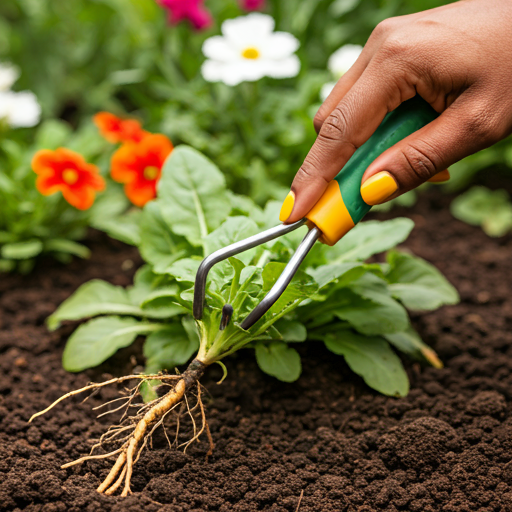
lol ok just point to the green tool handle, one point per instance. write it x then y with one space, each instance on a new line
409 117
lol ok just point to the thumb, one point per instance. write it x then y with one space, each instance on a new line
459 131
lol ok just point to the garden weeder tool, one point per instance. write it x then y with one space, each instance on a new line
339 209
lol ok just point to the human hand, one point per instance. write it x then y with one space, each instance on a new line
458 58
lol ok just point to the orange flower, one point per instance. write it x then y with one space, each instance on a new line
139 166
68 172
115 129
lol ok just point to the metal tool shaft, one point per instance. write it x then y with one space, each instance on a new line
231 250
284 279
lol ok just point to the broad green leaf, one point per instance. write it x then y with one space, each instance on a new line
22 250
168 348
125 227
410 343
158 245
368 316
291 330
184 269
418 284
279 360
491 209
94 342
372 359
67 246
192 194
244 205
369 238
93 298
342 273
232 230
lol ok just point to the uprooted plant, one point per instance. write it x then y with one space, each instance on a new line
356 309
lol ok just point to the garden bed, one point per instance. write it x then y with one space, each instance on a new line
328 438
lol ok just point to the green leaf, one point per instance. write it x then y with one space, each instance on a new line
291 330
22 250
158 245
490 209
369 238
67 246
232 230
93 298
192 194
410 343
372 359
168 348
342 273
94 342
125 227
418 284
279 360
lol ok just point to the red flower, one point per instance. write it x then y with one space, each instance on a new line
192 10
139 166
252 5
68 172
116 129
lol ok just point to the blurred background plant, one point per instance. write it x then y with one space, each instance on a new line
143 57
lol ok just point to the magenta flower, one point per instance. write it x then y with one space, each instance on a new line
192 10
252 5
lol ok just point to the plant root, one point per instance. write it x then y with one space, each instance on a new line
148 418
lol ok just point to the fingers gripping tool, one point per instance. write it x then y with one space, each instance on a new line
339 209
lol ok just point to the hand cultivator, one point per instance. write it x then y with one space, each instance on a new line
337 212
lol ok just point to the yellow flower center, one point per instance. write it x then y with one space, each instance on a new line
151 172
251 53
70 176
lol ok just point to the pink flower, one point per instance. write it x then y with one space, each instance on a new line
252 5
192 10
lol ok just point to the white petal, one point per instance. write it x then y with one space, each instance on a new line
233 73
326 90
8 75
278 45
249 30
343 59
284 68
21 109
218 48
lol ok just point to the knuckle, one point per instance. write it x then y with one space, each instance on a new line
384 28
421 160
335 126
484 126
394 46
306 174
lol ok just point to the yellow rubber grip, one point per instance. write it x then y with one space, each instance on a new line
330 215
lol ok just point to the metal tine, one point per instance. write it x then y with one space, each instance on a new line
284 279
231 250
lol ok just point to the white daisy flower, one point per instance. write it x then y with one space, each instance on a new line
248 50
339 63
343 59
19 109
8 75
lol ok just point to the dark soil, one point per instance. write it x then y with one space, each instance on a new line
446 447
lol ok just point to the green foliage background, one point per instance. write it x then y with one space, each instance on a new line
121 55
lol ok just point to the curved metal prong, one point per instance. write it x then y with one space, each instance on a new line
231 250
284 279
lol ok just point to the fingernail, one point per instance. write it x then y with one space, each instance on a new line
440 177
378 188
286 209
